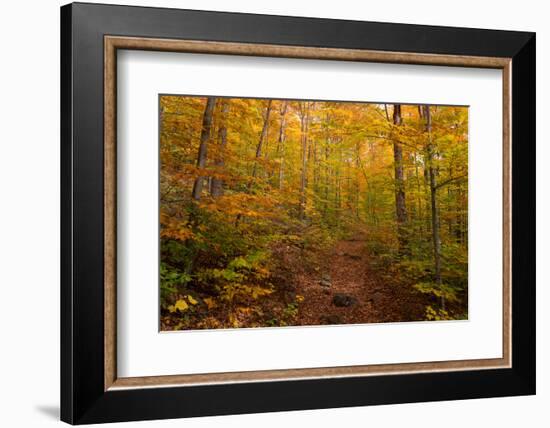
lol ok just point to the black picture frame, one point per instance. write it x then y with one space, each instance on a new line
83 398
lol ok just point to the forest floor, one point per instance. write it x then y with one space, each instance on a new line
349 289
344 284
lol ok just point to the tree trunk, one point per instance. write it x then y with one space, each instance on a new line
262 136
436 239
400 208
304 119
203 147
420 214
281 144
315 167
357 180
217 183
338 181
258 153
327 169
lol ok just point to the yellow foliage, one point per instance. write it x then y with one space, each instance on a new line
210 302
175 229
233 321
181 305
191 299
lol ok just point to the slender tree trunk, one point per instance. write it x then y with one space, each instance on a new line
203 147
328 173
217 183
357 180
436 239
418 221
338 181
315 167
262 136
304 119
349 188
426 180
400 207
281 144
327 170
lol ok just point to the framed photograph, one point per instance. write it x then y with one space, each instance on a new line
266 213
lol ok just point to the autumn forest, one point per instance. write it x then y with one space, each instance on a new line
282 212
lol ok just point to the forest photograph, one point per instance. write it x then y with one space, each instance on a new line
288 212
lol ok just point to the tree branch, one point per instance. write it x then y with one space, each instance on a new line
450 180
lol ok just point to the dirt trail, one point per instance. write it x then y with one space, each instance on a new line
349 272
